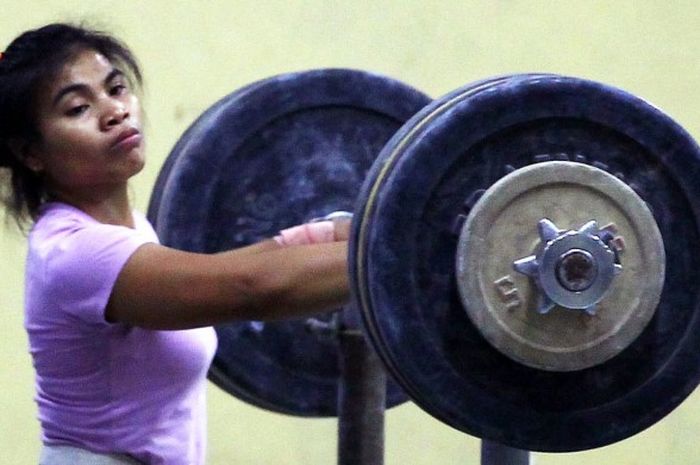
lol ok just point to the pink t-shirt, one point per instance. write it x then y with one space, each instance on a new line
101 386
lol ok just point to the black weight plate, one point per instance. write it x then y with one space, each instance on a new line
206 119
274 154
356 248
404 245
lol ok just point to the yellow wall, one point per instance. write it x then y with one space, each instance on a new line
194 52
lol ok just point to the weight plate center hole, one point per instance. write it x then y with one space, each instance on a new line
576 270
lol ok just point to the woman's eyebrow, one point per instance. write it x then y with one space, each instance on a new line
80 87
113 74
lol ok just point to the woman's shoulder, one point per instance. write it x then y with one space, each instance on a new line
63 228
58 215
56 221
61 218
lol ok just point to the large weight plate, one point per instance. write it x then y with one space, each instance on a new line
277 153
404 245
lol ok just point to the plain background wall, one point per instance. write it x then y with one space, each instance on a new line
195 52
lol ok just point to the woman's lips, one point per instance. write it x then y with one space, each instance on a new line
127 140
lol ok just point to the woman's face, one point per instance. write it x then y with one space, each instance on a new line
89 122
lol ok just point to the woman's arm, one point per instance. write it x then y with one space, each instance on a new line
164 288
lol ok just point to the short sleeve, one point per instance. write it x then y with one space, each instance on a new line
82 266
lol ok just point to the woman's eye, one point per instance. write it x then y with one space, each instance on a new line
77 110
117 89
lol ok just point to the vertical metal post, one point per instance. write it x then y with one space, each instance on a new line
493 453
361 397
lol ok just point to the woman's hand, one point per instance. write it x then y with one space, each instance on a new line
341 228
342 221
334 227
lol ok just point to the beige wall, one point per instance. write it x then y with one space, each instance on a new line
194 52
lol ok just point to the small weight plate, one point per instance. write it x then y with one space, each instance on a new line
502 303
404 244
274 154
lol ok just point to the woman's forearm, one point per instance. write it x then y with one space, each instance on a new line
162 288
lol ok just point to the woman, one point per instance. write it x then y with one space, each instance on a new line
115 383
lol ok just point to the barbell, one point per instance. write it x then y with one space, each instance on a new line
522 252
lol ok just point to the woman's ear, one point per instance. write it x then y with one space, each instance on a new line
22 152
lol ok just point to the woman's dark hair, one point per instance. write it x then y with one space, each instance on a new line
30 60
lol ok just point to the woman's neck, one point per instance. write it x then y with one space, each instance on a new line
111 207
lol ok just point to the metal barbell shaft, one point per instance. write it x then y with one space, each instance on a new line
361 397
493 453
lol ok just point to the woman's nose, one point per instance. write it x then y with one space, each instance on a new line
115 113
